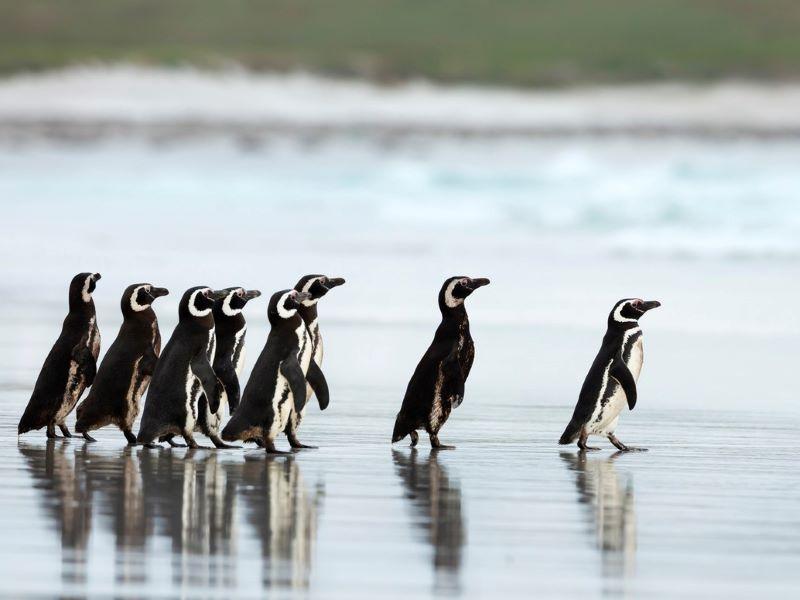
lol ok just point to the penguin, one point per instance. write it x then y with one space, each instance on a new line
317 286
611 381
125 372
437 385
183 370
277 384
70 366
229 330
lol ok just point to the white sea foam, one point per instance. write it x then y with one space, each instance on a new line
149 96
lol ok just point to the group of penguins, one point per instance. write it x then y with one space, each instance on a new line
195 379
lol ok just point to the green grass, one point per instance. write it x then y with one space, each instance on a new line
502 41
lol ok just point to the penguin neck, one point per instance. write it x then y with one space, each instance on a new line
453 319
617 331
146 316
308 313
225 322
79 306
205 322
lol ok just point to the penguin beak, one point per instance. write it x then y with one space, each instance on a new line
476 283
334 282
157 292
96 276
649 305
250 294
217 294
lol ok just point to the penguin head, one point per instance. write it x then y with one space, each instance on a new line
317 286
139 296
627 311
456 289
234 300
284 305
198 302
81 288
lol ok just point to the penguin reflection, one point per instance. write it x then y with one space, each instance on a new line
436 500
190 498
284 513
59 474
609 500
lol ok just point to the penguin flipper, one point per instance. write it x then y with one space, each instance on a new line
317 382
86 362
230 381
290 369
454 376
621 372
148 364
208 379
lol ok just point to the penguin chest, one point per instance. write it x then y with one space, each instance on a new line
193 386
76 382
612 399
136 388
238 351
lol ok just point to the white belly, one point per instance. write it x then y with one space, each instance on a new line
280 411
605 417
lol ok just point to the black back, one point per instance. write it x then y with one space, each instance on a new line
166 399
51 385
138 335
255 408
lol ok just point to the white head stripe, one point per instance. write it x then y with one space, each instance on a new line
449 299
618 315
284 312
192 309
306 288
85 292
226 304
134 304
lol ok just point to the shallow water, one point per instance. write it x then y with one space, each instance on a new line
711 509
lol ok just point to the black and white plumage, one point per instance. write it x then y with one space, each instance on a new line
277 384
437 385
183 370
125 372
316 286
230 328
612 378
71 365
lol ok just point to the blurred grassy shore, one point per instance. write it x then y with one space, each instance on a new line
515 42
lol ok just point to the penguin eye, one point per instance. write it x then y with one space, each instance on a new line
636 303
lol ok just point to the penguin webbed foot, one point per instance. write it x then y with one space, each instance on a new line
437 445
151 445
51 432
297 444
65 430
130 437
414 438
269 448
622 447
87 437
218 443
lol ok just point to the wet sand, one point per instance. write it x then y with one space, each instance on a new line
711 509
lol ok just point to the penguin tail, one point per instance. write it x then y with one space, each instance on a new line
401 428
31 419
570 433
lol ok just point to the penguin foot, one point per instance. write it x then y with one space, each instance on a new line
130 437
175 444
437 445
87 437
152 445
296 444
189 439
622 447
65 430
222 445
414 438
582 442
271 449
304 447
51 432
